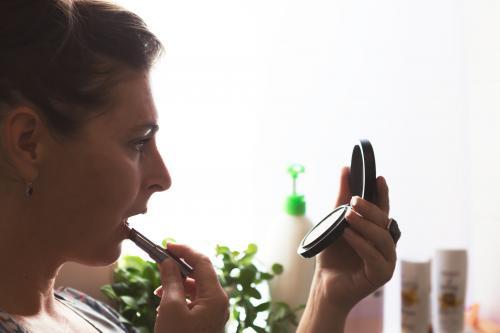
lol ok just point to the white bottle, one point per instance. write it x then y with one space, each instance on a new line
415 297
282 241
450 281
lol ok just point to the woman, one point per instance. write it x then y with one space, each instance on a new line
78 157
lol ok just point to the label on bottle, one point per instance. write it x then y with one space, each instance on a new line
451 302
415 301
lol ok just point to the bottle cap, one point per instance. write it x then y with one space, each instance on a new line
295 204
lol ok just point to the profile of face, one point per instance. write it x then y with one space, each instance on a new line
86 187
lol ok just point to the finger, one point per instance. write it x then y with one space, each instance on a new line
344 194
370 211
364 249
377 269
204 272
171 281
382 194
379 237
189 289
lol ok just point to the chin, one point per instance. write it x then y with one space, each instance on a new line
104 257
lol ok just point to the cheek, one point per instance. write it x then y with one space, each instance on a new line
112 186
97 191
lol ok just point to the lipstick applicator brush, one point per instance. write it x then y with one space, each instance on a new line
156 252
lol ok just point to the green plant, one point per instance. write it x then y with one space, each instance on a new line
282 318
135 280
241 278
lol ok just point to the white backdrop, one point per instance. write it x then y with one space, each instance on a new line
248 87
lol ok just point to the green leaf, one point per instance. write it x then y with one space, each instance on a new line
277 268
263 307
139 282
156 281
133 262
246 259
250 315
149 274
143 299
129 301
299 308
167 240
266 276
120 275
121 288
247 275
252 292
251 249
279 311
236 314
109 292
220 249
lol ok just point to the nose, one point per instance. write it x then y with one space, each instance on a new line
159 177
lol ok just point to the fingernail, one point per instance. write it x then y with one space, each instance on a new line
354 201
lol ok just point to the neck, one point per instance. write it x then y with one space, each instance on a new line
30 265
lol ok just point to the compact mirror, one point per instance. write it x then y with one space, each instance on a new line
362 182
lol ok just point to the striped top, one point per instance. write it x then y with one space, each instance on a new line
100 315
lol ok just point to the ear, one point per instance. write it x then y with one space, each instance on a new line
22 131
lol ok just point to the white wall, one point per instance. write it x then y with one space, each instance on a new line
247 87
483 54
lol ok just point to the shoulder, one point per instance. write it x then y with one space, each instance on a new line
86 303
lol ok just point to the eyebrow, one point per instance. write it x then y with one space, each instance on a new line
148 128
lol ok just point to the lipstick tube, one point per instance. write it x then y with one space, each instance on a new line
158 253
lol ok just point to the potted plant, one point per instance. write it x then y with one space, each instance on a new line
251 308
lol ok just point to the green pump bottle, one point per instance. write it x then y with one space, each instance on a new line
293 285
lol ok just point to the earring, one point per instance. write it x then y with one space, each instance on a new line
29 190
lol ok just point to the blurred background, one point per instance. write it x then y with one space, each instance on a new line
246 88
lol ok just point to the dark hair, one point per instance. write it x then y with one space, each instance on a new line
63 57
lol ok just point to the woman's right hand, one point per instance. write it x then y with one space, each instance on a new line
191 305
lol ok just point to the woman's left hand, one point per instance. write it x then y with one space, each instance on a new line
364 258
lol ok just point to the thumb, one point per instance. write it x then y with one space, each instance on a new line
171 281
344 194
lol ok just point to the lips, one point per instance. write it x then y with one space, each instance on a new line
125 219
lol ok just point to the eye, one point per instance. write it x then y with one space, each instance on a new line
139 145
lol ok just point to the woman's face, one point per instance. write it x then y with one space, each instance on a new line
87 188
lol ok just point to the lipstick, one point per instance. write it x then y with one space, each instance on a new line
156 252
